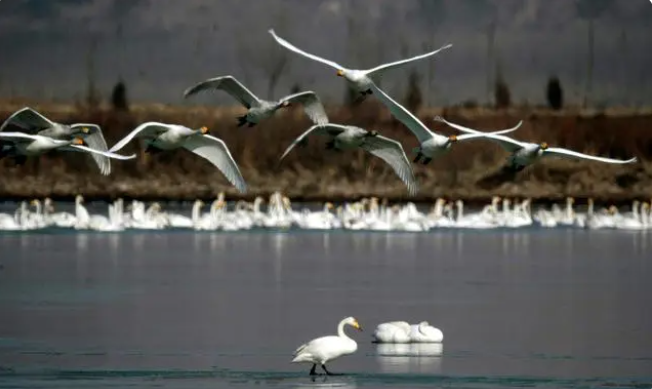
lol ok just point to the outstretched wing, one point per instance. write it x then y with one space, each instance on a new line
559 152
326 129
148 129
230 85
92 134
27 120
391 65
472 131
215 151
14 137
297 50
393 154
312 105
403 115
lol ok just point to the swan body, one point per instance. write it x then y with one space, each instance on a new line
29 121
258 109
327 348
162 136
392 332
431 144
425 333
360 80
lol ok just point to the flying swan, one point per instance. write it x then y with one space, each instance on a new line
524 154
351 137
431 144
29 121
360 80
258 109
26 145
324 349
162 136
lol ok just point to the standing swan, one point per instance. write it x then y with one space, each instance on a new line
162 136
326 348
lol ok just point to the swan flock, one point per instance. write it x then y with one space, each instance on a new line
27 133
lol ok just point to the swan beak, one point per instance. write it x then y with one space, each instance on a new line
78 141
357 325
452 138
204 130
85 130
33 202
543 145
340 73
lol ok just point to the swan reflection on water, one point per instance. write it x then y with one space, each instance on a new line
324 381
409 357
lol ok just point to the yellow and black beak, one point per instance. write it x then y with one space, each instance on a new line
357 325
340 73
204 130
543 145
452 138
86 130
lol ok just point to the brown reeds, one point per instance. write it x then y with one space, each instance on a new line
313 173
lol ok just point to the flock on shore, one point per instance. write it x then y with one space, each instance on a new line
27 133
368 214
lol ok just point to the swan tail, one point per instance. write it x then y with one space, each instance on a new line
302 358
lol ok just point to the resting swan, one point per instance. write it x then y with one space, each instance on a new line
403 332
425 333
327 348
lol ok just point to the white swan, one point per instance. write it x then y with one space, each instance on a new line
258 109
162 136
360 80
392 332
351 137
425 333
524 154
25 145
324 349
431 144
59 219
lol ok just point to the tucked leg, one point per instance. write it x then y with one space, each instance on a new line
417 158
152 150
242 120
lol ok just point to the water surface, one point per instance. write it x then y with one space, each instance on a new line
553 308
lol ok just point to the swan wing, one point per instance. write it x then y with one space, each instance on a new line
326 129
560 152
393 154
95 140
297 50
507 143
149 129
27 120
216 152
17 137
106 154
472 131
403 115
391 65
312 105
326 346
230 85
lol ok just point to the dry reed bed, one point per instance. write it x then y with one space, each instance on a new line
313 173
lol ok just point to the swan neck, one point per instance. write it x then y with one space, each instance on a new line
340 330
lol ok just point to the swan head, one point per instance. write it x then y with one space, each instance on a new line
285 104
371 134
353 322
452 138
203 130
612 210
85 130
543 145
328 205
35 203
340 73
78 141
79 199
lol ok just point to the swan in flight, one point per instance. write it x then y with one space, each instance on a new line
350 137
258 109
324 349
431 144
31 122
524 154
360 80
162 136
25 145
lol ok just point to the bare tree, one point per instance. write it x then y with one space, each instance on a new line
590 10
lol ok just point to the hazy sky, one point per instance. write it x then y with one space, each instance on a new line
160 47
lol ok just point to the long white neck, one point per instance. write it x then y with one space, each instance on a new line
635 208
460 210
589 211
340 330
569 209
39 209
196 208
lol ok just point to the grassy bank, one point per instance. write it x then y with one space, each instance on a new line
313 173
